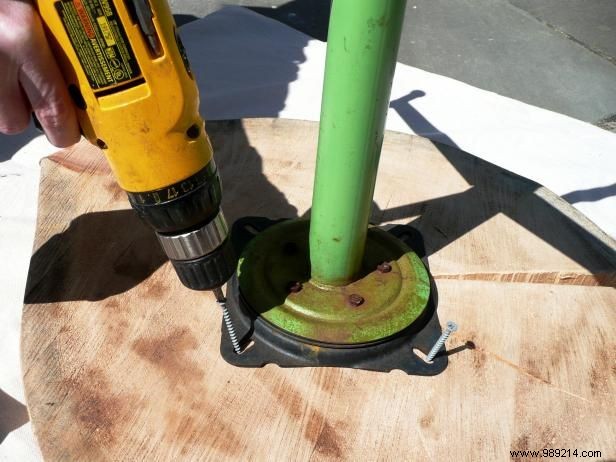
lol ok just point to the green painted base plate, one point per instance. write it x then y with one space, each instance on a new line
274 279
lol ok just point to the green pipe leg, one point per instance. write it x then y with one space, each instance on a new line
362 48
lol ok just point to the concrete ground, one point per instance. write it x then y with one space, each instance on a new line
555 54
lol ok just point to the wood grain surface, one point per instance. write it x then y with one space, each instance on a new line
121 361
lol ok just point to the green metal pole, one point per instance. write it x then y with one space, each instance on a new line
362 47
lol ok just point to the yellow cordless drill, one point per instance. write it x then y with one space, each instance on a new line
129 77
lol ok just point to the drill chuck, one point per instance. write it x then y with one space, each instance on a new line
203 258
191 228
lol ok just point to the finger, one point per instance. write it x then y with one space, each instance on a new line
14 109
47 91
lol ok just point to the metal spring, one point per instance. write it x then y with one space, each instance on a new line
451 327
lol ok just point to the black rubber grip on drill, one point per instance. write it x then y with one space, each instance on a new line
210 271
197 201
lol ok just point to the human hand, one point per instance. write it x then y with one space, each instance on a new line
30 80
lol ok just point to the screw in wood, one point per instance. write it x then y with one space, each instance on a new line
222 302
449 329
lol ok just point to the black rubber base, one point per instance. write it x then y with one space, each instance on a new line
262 343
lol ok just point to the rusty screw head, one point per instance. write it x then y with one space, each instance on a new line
294 287
356 299
384 267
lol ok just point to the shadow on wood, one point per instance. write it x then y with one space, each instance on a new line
111 252
445 219
114 251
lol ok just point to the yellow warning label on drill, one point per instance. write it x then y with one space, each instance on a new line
99 40
106 30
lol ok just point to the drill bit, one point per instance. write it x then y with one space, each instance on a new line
222 302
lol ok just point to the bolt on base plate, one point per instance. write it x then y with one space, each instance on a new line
377 347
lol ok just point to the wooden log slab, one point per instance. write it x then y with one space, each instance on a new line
121 361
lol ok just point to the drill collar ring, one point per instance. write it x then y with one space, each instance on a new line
196 243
